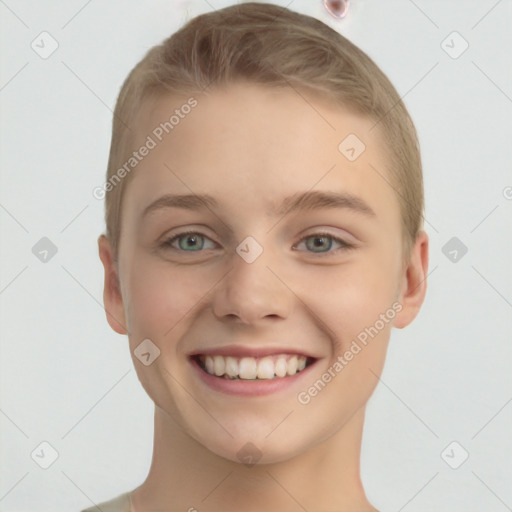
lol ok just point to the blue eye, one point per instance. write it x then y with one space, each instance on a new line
192 241
325 241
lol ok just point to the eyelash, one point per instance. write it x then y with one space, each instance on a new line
344 245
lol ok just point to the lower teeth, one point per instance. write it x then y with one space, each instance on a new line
226 376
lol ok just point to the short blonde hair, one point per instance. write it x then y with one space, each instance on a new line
273 46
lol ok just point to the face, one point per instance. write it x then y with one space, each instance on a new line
296 250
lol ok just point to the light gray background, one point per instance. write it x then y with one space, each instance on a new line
67 378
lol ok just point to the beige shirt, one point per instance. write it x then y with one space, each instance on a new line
120 504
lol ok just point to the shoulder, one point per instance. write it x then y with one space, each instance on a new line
119 504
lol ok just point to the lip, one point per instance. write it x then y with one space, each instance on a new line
240 351
250 388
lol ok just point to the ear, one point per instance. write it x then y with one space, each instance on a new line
414 282
112 298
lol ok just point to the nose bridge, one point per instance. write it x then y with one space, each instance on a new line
250 290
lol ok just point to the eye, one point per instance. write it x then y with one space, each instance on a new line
190 241
193 241
321 243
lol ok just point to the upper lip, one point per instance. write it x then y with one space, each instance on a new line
240 351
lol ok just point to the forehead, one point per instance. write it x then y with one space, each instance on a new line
251 145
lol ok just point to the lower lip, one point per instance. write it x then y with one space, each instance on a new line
243 387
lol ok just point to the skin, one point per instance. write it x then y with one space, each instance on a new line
250 146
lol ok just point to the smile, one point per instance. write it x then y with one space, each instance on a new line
253 368
252 376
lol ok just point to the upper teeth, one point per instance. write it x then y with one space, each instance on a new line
252 368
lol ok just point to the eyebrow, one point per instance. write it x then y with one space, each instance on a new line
311 200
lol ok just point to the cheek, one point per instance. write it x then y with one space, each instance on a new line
350 299
161 297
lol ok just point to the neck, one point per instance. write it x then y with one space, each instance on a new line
184 476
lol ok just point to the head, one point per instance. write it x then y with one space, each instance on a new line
250 105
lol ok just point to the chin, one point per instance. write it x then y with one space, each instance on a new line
254 450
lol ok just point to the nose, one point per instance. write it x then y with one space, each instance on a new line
251 293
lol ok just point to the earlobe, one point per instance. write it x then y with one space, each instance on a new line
414 284
112 298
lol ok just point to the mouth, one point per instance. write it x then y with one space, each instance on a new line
270 367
